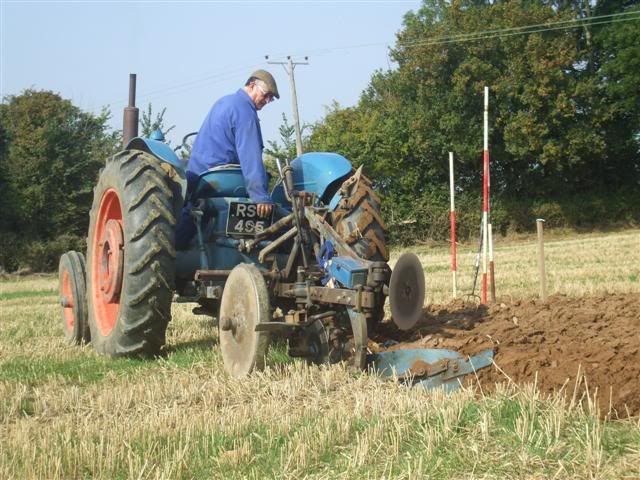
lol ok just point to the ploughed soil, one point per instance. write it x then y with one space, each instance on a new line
594 339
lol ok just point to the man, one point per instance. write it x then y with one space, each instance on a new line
230 134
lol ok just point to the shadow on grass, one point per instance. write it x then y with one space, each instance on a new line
197 344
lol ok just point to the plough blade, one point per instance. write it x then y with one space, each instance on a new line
429 368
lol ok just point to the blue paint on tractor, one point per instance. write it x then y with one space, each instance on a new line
348 272
160 150
224 181
428 367
316 172
157 135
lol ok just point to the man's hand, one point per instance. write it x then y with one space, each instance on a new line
265 209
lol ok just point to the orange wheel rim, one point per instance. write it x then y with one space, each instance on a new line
67 301
107 259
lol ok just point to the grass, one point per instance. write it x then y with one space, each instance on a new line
575 265
25 294
66 412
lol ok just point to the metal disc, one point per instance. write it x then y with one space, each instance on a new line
244 304
406 291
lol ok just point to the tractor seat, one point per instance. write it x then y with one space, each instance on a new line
221 181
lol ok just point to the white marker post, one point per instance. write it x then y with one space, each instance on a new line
541 267
492 277
485 197
452 217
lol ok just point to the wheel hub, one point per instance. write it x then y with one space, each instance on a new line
111 261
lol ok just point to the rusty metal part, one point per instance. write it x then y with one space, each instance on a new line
351 185
284 221
292 257
210 274
276 327
429 367
421 369
317 223
360 339
295 317
379 274
130 118
406 291
338 296
296 208
276 243
202 275
311 343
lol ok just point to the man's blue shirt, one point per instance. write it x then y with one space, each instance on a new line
231 134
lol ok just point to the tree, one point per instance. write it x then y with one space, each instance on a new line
559 126
150 124
286 150
51 155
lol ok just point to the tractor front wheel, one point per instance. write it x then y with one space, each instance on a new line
73 298
131 254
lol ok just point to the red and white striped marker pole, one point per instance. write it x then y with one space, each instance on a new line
452 217
485 198
492 277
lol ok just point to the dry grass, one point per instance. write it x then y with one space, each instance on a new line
67 413
577 265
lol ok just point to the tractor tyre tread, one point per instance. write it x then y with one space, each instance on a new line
357 220
149 203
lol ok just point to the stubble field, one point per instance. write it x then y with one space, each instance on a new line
566 404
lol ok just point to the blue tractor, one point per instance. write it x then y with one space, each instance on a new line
314 274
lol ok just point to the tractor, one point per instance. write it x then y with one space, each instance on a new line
314 274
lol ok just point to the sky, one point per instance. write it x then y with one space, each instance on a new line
188 54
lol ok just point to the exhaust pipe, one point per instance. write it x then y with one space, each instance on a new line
130 121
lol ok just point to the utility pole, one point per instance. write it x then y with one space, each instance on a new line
289 66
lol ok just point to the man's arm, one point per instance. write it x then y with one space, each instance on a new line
248 139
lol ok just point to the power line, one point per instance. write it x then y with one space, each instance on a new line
506 33
479 35
573 23
445 39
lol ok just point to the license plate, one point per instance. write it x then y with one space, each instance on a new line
243 219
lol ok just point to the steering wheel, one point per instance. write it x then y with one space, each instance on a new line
184 141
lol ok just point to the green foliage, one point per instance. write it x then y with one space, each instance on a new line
283 150
44 255
151 123
564 114
583 212
51 155
286 150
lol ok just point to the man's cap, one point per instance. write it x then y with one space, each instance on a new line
268 80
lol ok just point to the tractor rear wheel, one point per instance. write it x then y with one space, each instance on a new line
131 255
358 220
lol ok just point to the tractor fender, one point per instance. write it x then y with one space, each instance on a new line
160 150
316 172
